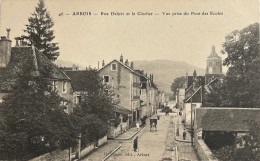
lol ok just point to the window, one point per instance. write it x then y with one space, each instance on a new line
106 91
106 79
54 85
78 100
64 86
65 106
140 92
113 67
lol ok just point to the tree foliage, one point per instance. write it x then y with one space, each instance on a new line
240 87
94 112
247 147
40 31
34 122
178 83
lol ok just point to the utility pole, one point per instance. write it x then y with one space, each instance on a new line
191 127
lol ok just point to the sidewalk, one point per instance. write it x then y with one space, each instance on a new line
180 126
184 149
111 146
130 133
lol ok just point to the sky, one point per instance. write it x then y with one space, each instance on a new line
85 40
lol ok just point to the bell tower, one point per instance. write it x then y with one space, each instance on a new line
214 63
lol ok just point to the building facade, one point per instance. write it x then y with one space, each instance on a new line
124 83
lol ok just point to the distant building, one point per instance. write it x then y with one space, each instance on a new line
214 66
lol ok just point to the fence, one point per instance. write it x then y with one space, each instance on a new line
66 155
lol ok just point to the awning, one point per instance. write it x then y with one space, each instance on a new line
122 110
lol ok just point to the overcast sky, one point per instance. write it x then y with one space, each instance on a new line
88 39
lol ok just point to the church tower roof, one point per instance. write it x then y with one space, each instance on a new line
213 52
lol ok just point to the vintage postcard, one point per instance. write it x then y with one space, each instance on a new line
129 80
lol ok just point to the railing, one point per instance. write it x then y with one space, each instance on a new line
136 97
136 84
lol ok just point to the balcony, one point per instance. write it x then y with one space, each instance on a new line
136 84
136 97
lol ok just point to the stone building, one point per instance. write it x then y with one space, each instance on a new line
214 66
121 80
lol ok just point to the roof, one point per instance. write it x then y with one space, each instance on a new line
226 118
38 64
122 110
127 67
208 77
201 80
78 79
196 96
143 76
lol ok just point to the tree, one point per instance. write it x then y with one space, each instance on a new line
40 33
178 83
96 109
240 87
34 122
248 149
243 76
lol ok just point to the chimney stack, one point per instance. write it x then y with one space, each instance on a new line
5 50
121 59
103 63
17 41
126 62
8 33
132 64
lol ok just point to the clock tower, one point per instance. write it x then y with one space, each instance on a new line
214 63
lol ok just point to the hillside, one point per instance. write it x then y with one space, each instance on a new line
165 71
64 63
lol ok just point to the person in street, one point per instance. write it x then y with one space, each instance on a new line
158 117
136 144
137 125
184 134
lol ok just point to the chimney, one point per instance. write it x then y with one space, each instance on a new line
17 41
8 33
132 64
142 71
5 50
98 64
126 62
121 59
152 77
103 63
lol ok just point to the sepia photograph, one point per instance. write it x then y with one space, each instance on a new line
129 80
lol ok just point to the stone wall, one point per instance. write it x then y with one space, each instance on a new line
90 147
102 141
62 155
203 150
115 131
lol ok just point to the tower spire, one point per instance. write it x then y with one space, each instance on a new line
213 52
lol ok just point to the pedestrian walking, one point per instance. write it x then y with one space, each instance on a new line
184 134
158 117
137 125
136 144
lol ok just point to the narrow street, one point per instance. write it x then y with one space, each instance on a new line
152 145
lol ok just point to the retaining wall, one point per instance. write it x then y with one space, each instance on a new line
203 150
